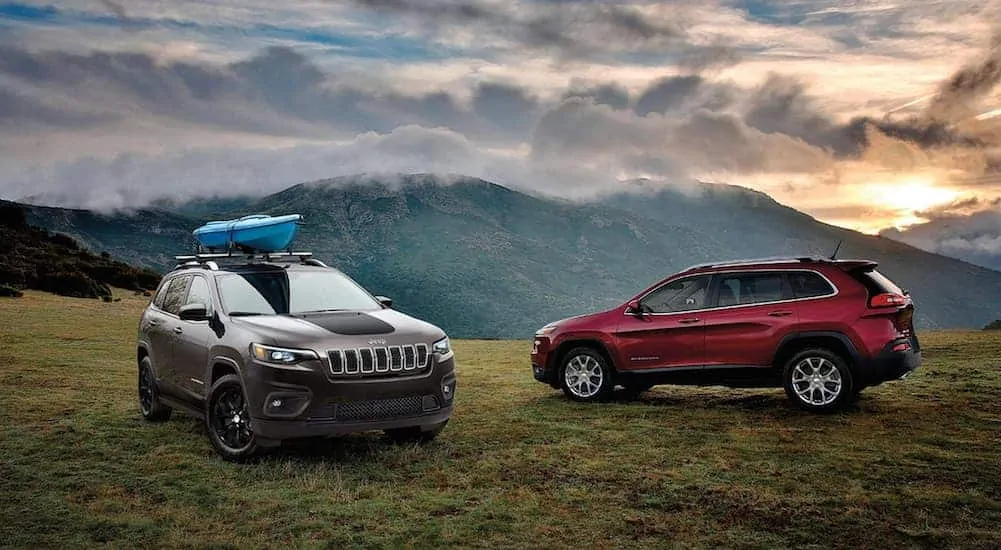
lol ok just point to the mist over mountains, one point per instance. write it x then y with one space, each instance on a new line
482 260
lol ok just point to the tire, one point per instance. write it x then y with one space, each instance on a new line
415 434
227 420
818 380
149 394
586 376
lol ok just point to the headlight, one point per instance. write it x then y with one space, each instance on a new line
547 330
442 347
281 356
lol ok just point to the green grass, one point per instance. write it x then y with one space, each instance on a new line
915 464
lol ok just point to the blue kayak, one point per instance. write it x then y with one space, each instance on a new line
257 232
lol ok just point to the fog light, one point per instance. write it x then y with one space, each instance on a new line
277 403
448 390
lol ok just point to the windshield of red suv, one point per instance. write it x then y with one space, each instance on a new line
283 292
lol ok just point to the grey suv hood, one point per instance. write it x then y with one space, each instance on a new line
337 329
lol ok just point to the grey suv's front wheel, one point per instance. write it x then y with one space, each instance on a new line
818 380
227 418
585 375
149 395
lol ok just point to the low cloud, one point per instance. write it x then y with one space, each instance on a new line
954 231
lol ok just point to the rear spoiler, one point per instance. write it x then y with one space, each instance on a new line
856 265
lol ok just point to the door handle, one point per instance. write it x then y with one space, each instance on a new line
154 322
781 313
178 330
688 321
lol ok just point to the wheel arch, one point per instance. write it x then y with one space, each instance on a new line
836 342
567 345
141 352
221 366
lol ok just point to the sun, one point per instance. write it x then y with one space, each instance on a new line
904 200
916 194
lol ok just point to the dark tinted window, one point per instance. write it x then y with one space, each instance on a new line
199 292
158 299
275 292
681 295
751 288
174 297
876 283
806 284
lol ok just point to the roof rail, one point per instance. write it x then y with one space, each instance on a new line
209 260
754 261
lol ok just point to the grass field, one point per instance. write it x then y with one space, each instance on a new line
915 464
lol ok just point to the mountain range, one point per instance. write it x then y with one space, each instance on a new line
482 260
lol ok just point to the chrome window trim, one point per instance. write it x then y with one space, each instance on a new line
737 306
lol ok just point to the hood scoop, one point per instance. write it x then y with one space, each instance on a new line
348 323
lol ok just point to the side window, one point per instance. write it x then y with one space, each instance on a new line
199 293
806 284
681 295
751 288
158 299
174 296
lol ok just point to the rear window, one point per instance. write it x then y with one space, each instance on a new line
807 284
876 283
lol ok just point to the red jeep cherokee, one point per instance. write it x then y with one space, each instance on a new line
822 329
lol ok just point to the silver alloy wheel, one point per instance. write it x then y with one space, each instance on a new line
583 376
816 381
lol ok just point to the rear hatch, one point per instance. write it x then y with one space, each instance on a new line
886 299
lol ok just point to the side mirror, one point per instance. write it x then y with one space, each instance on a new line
193 312
386 302
633 308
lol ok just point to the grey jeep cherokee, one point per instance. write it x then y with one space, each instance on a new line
272 350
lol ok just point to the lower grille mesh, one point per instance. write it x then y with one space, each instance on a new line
380 409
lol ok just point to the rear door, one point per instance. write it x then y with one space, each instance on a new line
670 333
193 339
166 329
753 310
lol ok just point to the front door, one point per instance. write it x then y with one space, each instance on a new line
753 311
669 331
193 340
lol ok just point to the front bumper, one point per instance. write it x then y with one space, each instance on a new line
540 360
290 404
891 365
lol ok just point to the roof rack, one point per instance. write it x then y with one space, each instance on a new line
209 260
753 261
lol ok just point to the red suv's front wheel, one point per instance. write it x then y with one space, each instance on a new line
585 375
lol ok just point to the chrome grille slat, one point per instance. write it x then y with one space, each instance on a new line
395 358
381 360
409 358
367 360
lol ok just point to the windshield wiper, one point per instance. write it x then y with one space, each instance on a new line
244 314
317 311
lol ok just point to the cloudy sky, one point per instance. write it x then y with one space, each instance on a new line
868 114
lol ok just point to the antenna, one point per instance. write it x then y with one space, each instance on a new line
834 254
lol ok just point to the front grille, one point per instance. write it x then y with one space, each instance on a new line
391 360
381 409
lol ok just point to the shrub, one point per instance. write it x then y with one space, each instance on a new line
993 325
72 283
12 216
64 240
8 291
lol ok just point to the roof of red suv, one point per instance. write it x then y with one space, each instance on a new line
780 263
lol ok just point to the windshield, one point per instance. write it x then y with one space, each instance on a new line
282 292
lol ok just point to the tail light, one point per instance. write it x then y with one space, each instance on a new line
887 299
